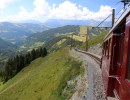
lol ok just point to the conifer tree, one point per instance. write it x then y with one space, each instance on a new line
33 54
45 51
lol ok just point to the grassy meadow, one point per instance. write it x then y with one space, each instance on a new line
94 40
44 79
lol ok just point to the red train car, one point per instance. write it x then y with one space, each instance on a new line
115 64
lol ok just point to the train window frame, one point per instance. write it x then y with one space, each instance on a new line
108 49
110 45
103 49
121 50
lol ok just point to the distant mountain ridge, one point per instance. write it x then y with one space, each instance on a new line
15 32
48 35
63 22
53 23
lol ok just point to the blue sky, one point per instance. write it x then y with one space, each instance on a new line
42 10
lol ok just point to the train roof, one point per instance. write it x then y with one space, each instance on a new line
118 22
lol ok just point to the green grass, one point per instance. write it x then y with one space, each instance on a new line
1 85
44 79
94 40
63 34
60 42
97 39
77 37
82 70
35 45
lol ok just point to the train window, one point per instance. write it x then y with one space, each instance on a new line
109 47
103 49
120 47
106 48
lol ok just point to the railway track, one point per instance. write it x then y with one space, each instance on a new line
97 58
97 77
95 82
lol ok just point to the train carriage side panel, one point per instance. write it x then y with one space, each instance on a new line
106 62
124 89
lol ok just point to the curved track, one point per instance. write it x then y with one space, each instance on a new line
97 58
95 82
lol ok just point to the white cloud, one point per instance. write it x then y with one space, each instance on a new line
41 7
40 12
22 15
101 14
4 3
66 10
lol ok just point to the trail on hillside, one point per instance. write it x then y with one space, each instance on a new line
10 86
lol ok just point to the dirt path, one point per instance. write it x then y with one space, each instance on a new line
10 86
6 89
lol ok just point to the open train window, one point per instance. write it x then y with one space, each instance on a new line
103 48
105 45
110 46
107 49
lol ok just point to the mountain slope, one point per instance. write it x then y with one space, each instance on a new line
15 32
6 50
44 79
48 35
63 22
6 45
39 39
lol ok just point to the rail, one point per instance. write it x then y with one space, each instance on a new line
97 58
94 76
